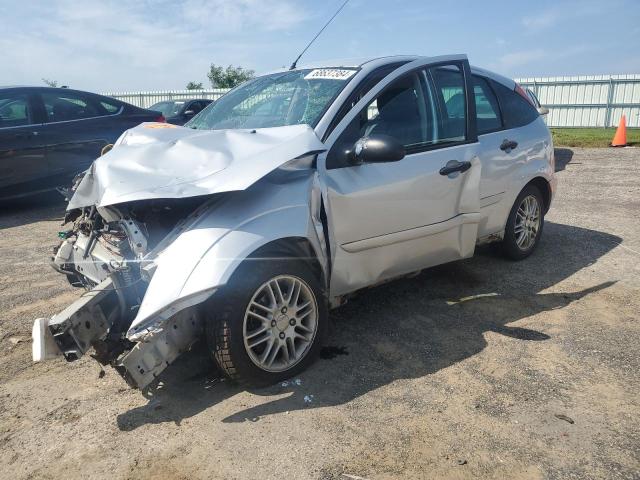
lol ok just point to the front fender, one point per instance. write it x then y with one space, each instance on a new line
203 258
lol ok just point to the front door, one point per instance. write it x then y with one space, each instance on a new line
23 168
389 219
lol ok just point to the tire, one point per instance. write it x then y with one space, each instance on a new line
520 223
229 324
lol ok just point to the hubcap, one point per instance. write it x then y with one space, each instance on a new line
527 222
280 323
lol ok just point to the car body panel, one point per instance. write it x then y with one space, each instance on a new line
205 251
389 219
165 161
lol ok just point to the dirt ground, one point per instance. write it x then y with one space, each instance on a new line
480 369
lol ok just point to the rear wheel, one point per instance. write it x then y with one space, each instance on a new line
524 225
272 321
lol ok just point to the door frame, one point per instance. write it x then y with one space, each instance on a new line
419 64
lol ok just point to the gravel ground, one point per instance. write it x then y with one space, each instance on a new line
478 369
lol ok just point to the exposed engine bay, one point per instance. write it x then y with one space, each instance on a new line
103 253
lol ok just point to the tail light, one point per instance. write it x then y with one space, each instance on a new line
160 119
523 94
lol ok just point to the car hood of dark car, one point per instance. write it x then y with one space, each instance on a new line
159 160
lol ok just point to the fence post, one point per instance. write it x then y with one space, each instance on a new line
607 115
141 105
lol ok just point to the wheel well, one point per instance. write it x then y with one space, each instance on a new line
545 189
293 247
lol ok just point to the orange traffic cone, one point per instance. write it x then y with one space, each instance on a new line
620 138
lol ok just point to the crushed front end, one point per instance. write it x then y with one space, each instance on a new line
108 252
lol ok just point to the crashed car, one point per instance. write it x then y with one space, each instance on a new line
282 199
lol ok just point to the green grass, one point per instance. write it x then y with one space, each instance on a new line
591 137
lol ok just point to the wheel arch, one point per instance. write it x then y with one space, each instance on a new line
543 185
293 247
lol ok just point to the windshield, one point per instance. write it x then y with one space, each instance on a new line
290 98
168 109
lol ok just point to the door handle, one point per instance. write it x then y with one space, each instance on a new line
454 166
507 145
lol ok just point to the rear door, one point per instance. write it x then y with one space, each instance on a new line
388 219
23 168
509 138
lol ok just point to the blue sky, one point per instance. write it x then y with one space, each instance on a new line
119 45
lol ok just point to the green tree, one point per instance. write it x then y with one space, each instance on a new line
194 86
50 83
229 77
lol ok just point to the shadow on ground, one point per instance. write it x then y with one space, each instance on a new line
562 157
405 329
36 208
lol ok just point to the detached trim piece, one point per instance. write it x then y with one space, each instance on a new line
412 234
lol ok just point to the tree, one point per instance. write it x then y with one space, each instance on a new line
51 83
229 77
194 86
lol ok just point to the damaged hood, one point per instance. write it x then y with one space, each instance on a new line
159 160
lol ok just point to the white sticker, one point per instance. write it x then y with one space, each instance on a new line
329 74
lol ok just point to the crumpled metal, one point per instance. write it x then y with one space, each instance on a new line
156 160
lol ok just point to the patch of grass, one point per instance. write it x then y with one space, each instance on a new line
591 137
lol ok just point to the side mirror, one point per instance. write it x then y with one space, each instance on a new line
189 113
543 110
376 148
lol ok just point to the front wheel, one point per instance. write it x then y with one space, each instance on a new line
272 320
524 225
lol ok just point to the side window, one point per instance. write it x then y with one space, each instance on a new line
109 107
399 111
65 106
516 110
487 109
367 84
14 110
448 84
196 107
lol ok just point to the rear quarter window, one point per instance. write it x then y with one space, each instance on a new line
516 111
487 109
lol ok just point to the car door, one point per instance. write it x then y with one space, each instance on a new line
23 168
77 127
389 219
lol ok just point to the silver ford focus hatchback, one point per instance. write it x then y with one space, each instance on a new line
283 198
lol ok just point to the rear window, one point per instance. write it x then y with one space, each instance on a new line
487 109
517 111
111 108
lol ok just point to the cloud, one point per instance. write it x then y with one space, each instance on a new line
542 20
538 60
516 59
116 44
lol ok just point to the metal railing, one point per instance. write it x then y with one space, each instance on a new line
146 99
588 101
580 101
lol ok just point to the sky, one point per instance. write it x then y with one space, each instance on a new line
132 45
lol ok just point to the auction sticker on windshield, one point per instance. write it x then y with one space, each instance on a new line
329 74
